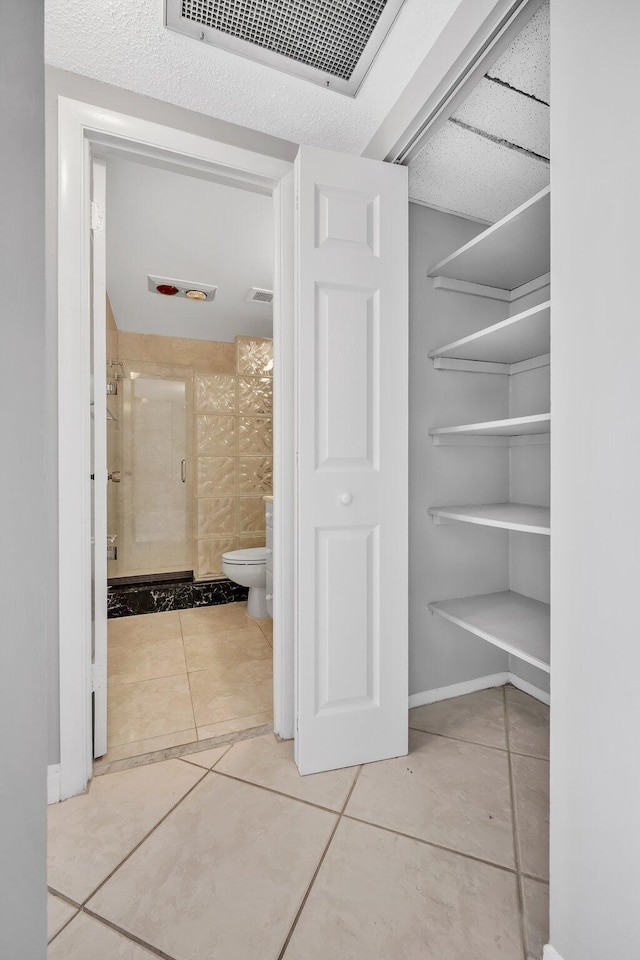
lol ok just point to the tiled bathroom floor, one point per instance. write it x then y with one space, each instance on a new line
229 855
187 675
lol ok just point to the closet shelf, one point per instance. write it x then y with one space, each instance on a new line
522 517
511 427
508 254
508 620
521 337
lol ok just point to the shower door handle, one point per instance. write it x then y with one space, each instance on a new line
183 470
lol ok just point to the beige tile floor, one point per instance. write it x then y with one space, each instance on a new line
228 854
189 675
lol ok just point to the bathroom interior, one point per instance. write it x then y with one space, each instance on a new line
189 458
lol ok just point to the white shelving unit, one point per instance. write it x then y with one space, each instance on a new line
508 620
514 340
523 517
507 262
508 254
534 425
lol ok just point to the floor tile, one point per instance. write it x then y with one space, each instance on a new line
379 896
267 628
237 690
206 758
269 762
528 721
224 648
531 790
148 626
209 619
137 748
477 717
238 725
229 867
89 835
446 791
145 659
58 913
89 939
535 895
149 708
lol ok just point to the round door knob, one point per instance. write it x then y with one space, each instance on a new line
346 498
269 596
268 551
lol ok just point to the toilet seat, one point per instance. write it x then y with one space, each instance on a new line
246 558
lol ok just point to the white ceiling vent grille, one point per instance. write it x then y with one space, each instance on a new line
331 42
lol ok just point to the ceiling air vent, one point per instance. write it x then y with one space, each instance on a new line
330 42
257 295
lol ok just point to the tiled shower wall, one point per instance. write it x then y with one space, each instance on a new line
233 455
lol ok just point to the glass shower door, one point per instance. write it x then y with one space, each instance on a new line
155 512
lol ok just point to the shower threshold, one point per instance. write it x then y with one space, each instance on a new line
132 596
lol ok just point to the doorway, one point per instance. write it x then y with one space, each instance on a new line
115 138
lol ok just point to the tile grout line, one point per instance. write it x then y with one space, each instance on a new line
514 825
66 923
131 937
432 843
278 793
477 743
144 839
287 941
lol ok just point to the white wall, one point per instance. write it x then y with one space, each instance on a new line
22 517
595 481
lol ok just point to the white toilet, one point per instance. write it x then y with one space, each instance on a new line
249 569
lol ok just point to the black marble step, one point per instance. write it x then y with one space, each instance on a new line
159 596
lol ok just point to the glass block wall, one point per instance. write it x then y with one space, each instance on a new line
233 455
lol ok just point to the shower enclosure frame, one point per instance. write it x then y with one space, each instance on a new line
85 132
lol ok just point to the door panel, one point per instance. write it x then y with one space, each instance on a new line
352 460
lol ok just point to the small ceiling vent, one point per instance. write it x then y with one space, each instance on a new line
257 295
330 42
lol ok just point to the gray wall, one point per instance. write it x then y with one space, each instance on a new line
61 83
595 481
22 505
451 560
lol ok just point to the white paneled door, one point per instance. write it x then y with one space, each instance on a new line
352 242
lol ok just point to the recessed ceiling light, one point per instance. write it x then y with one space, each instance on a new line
167 289
196 295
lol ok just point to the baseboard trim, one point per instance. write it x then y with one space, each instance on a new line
458 689
472 686
550 954
53 783
529 688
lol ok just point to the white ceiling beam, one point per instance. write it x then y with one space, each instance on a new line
473 39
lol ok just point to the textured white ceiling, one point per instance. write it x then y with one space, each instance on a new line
126 44
507 115
489 166
471 175
525 63
185 228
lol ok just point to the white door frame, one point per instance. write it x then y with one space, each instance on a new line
83 130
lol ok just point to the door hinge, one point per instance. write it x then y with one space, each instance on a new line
97 215
97 677
297 201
